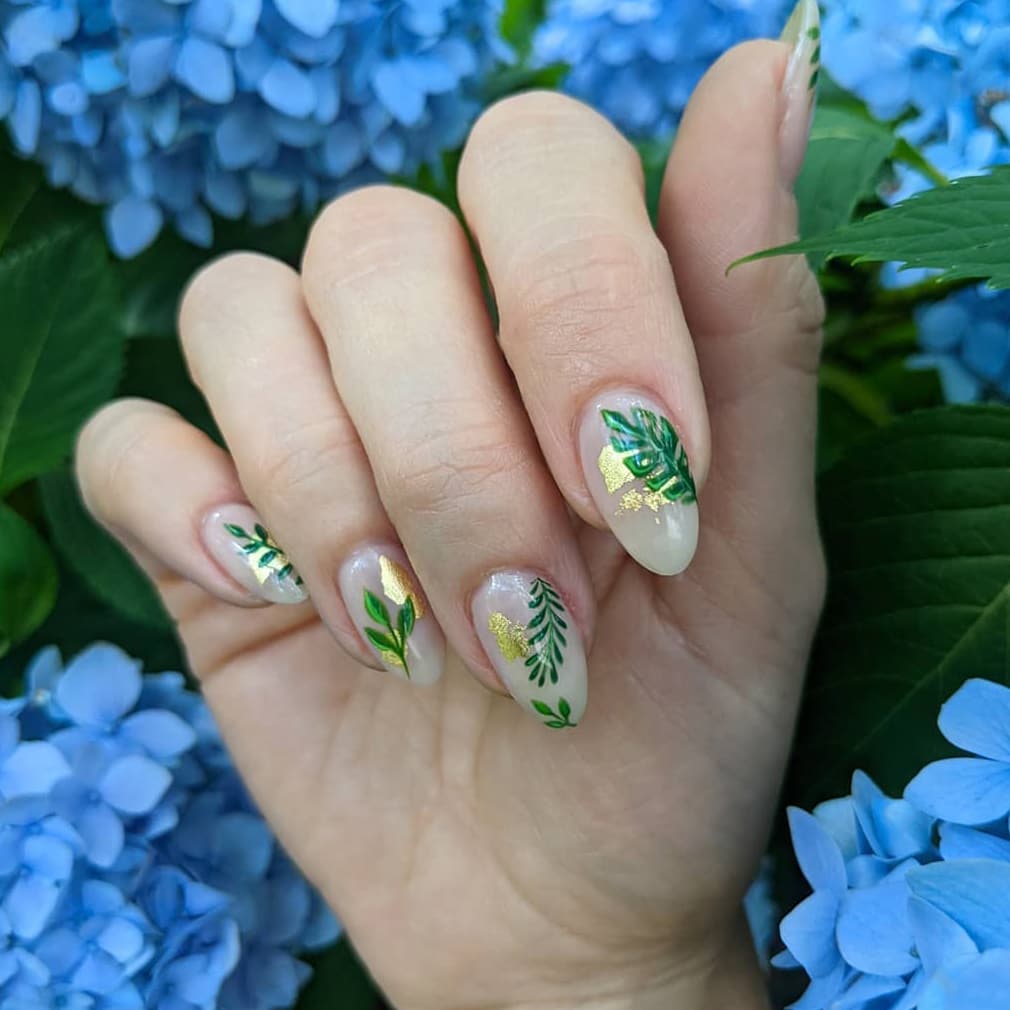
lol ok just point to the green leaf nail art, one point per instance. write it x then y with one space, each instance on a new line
555 720
263 552
391 643
651 450
545 633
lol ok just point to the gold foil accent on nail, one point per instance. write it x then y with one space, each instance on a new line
398 586
511 637
611 465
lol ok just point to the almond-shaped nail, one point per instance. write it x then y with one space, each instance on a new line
640 478
803 33
381 594
234 535
534 645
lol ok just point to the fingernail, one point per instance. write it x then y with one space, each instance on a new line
803 33
382 596
639 476
234 535
534 645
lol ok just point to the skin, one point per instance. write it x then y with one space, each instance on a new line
478 860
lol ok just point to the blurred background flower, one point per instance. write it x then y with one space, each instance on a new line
910 902
135 870
638 61
168 110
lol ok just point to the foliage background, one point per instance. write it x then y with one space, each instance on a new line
914 509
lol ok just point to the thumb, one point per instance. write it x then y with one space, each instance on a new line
728 193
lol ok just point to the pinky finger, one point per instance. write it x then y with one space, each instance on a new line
173 498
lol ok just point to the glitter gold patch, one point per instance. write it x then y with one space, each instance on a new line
611 465
397 585
511 637
635 501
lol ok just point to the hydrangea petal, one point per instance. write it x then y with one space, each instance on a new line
975 893
963 790
874 934
960 842
161 733
809 933
313 17
205 68
102 833
29 904
817 853
287 89
32 770
132 225
134 784
982 984
821 991
977 717
99 686
938 938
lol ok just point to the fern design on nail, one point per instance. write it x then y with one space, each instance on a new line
555 720
391 642
545 633
651 450
265 557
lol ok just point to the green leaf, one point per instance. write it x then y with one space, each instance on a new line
236 531
519 21
381 641
21 179
542 707
104 566
27 578
564 708
406 619
844 159
652 451
916 522
376 609
555 724
958 229
63 353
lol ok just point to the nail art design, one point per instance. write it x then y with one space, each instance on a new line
803 33
382 597
265 557
391 642
639 474
529 636
649 448
237 539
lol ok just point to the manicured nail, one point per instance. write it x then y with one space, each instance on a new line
534 645
803 33
639 476
381 594
236 538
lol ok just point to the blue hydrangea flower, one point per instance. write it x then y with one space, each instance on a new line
638 61
970 790
135 871
966 337
910 902
168 110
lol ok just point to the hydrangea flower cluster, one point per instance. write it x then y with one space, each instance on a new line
638 61
167 110
966 338
910 907
134 870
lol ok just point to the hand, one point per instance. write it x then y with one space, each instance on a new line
478 857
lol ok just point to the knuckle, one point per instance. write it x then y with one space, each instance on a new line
107 448
371 229
453 473
302 460
539 126
586 287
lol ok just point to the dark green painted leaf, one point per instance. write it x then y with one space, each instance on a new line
555 724
61 354
266 559
916 522
376 609
846 154
960 230
407 617
564 708
95 556
380 641
542 708
27 579
236 531
261 532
